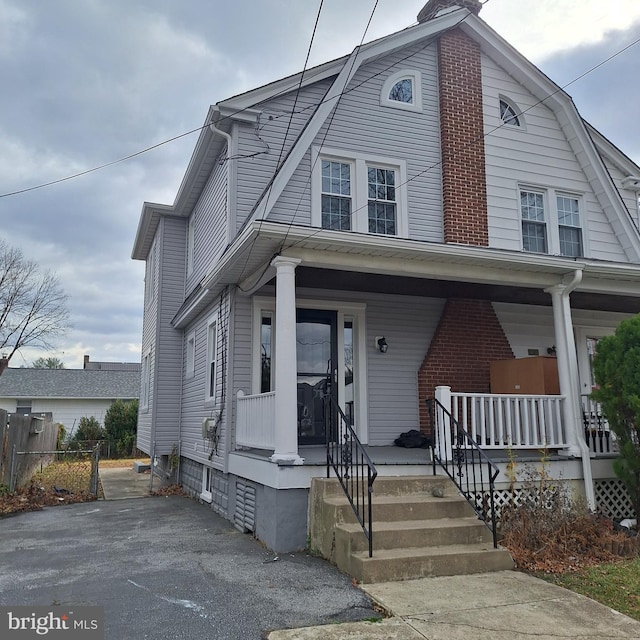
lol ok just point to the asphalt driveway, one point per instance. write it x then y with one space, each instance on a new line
167 567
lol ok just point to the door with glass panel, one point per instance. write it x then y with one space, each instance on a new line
317 365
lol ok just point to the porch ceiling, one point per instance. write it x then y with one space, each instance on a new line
399 285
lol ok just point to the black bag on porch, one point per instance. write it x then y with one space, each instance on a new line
413 439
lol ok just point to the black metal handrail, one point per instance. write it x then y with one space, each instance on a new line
462 459
351 464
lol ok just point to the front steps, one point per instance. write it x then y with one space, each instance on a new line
415 533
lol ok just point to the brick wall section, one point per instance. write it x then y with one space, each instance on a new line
469 336
464 185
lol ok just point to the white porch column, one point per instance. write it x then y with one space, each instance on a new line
564 357
442 426
286 413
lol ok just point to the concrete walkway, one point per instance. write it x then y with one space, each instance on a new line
489 606
119 483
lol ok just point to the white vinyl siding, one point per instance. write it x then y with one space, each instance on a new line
538 155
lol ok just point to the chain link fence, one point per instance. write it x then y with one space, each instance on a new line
63 473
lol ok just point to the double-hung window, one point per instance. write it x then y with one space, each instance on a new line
336 195
382 200
358 192
191 355
534 226
212 359
146 382
569 230
551 222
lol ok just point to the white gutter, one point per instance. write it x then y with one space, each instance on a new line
568 375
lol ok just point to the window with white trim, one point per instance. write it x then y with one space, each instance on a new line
551 222
266 351
190 242
152 262
206 493
357 192
403 90
336 195
212 359
509 113
145 382
191 355
569 229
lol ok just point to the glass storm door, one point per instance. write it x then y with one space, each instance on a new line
316 349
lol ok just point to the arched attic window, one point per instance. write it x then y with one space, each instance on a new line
509 113
402 90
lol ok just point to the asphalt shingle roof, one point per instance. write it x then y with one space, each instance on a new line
69 383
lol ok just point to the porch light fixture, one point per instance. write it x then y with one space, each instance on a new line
381 344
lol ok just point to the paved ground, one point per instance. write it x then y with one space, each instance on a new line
167 568
123 482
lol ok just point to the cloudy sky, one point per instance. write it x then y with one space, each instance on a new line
87 82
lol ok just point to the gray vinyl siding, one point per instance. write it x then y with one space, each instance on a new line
145 430
242 351
536 154
168 352
210 219
195 406
360 124
266 138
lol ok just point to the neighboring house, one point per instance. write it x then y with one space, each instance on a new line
110 366
383 228
66 394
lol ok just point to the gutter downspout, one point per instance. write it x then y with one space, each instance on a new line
568 374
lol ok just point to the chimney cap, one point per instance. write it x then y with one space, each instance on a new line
435 7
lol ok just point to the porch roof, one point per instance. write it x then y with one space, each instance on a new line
450 269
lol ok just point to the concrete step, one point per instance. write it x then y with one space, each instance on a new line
414 533
389 565
391 486
418 506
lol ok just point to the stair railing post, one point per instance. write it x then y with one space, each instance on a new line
444 444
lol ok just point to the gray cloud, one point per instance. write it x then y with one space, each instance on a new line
85 83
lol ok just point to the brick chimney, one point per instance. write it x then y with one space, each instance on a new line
434 8
4 363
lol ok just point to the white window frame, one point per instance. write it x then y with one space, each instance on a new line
145 381
516 111
360 163
353 311
550 195
190 242
416 82
206 492
190 356
212 361
150 280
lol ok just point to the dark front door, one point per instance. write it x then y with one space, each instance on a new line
316 348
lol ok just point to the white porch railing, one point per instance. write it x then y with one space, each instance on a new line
499 421
255 423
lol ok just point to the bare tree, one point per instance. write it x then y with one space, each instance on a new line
33 307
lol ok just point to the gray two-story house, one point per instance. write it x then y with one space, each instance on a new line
385 228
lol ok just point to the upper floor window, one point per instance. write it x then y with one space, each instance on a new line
403 90
551 223
145 388
382 200
336 195
569 229
152 265
190 242
356 192
508 113
534 226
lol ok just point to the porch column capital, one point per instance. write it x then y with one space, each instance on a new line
285 368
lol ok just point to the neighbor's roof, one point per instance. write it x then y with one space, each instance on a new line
69 383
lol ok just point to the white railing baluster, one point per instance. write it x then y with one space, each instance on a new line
255 422
497 421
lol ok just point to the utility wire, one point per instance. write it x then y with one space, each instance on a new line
197 129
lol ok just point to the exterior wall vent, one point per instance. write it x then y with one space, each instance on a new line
245 512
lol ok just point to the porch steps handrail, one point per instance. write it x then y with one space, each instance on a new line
352 465
462 459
